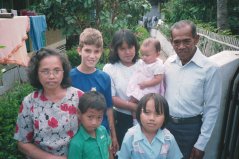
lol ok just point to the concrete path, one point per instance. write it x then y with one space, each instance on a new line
153 12
166 47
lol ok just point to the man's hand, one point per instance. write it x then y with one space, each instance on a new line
196 154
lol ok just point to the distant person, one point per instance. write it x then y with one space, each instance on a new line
123 63
150 138
150 19
87 77
193 91
92 140
149 76
47 118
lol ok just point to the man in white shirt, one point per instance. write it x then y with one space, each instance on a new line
193 91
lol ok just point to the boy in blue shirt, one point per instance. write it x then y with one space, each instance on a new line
87 77
92 140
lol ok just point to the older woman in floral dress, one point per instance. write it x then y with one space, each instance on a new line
47 118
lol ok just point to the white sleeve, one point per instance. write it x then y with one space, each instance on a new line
109 69
159 68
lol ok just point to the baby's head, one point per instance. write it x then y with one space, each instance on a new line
152 108
91 108
150 50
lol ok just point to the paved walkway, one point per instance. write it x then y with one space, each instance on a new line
153 12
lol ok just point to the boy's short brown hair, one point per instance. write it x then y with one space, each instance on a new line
91 36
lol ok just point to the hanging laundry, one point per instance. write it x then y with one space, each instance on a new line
13 33
37 31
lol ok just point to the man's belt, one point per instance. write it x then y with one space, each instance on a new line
189 120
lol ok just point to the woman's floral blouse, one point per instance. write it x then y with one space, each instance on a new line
48 125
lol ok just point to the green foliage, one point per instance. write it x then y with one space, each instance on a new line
202 12
72 16
233 18
165 30
73 57
104 58
69 15
211 27
189 9
100 65
141 33
117 15
9 106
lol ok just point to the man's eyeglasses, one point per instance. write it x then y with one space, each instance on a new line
55 72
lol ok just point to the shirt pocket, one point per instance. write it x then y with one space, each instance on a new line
138 152
193 89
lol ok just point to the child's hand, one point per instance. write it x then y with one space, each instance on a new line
115 145
133 100
142 85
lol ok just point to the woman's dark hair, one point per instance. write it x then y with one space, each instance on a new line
119 38
35 63
93 100
161 106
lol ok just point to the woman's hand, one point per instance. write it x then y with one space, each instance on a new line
33 152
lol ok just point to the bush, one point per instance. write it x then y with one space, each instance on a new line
73 57
9 106
141 33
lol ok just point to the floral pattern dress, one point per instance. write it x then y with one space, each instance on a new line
48 125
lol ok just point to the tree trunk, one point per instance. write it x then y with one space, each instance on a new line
222 15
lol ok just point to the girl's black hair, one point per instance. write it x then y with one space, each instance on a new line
161 106
121 36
